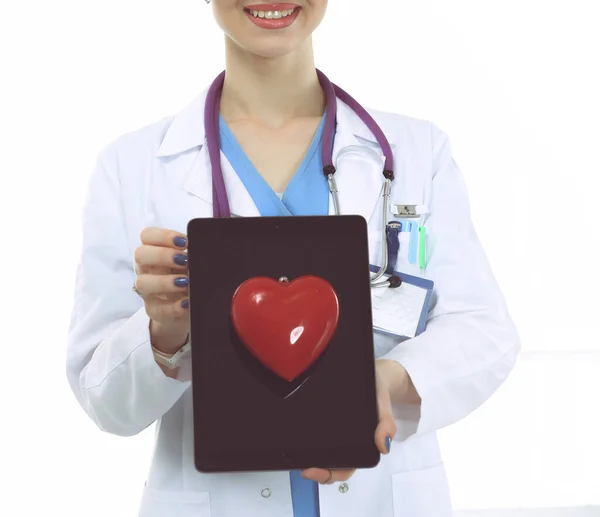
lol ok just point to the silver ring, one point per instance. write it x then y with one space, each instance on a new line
135 290
329 478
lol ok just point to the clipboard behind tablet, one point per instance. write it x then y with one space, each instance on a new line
246 418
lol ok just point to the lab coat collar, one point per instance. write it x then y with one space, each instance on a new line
186 130
359 164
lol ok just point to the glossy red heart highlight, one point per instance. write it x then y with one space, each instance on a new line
285 325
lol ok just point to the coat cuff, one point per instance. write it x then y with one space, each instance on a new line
127 390
446 396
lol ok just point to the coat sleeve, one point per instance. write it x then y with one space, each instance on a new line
470 343
110 364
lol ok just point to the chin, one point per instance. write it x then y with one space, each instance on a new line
270 47
271 44
272 50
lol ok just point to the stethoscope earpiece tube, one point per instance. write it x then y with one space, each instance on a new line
334 192
387 191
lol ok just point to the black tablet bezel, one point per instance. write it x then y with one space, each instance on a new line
209 234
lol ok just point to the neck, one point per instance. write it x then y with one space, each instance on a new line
271 91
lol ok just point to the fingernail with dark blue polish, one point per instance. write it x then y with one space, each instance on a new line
185 304
180 242
181 260
388 443
181 282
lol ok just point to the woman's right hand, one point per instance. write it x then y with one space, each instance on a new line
162 282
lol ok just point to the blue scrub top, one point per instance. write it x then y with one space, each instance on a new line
306 194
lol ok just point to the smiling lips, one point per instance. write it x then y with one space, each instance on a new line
272 16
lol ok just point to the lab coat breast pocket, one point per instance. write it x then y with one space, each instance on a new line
403 264
160 503
421 493
403 260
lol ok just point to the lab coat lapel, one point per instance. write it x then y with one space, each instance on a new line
358 167
184 145
199 185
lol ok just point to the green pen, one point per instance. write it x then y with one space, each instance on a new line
422 248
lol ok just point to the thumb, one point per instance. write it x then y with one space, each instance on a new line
386 429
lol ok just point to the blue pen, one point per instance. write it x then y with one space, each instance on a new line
414 242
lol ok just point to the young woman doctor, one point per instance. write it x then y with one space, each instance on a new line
150 183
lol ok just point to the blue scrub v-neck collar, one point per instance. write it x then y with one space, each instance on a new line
307 192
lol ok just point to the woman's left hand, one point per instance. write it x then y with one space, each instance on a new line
386 429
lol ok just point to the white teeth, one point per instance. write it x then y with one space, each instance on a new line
272 15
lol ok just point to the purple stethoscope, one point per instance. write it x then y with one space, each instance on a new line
332 93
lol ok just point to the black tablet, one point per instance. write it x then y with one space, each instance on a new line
248 415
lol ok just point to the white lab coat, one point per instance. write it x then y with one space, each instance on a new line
160 176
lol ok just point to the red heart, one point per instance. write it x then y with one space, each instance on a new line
285 325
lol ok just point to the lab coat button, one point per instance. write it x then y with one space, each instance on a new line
265 492
344 488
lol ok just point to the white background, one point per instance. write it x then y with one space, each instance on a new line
514 83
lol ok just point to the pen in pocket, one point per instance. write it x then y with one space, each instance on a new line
422 248
414 242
